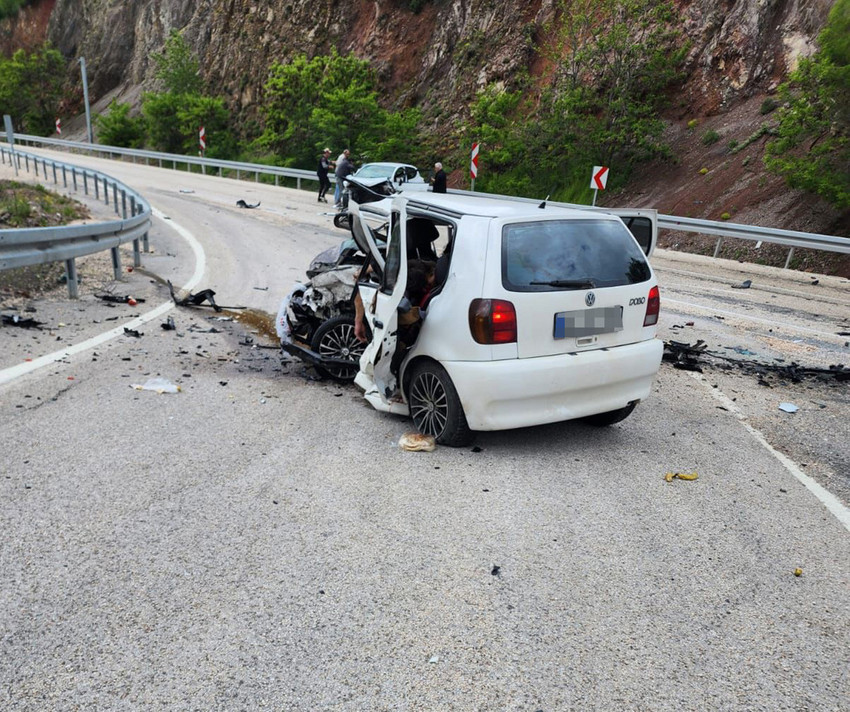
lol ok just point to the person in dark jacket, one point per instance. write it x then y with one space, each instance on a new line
439 179
325 164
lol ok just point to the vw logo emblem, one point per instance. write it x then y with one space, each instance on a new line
589 299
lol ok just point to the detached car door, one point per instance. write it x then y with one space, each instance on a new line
381 310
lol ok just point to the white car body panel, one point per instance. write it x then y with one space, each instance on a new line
537 379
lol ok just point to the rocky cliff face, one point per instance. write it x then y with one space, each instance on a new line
438 57
442 54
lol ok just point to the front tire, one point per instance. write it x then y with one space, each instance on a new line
335 339
435 407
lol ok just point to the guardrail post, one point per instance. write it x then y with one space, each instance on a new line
55 175
204 168
96 188
298 182
64 176
71 277
717 247
790 255
123 204
257 177
115 197
105 190
116 262
86 183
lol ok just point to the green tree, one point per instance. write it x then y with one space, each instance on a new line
163 124
213 115
612 62
118 128
812 148
331 100
173 117
177 67
9 8
31 89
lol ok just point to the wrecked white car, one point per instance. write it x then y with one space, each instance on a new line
403 176
536 314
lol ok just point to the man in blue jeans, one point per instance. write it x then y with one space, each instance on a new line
344 168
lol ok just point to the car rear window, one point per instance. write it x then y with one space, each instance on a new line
553 255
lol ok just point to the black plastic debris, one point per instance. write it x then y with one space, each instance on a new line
21 322
693 357
684 356
242 204
496 571
132 332
168 324
114 299
746 284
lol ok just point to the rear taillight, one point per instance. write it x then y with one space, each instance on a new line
653 306
492 321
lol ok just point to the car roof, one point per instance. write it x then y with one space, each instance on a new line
457 205
387 165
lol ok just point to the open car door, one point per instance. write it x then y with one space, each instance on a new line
381 312
643 224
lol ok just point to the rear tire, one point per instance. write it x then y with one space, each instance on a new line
602 420
435 407
335 339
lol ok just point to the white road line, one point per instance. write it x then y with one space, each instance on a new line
829 500
9 374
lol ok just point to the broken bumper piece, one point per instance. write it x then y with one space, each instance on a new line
311 357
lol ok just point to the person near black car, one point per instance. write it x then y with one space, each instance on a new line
325 164
344 168
439 179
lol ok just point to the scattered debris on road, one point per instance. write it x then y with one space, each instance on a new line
168 324
126 299
242 204
21 322
158 385
788 407
798 572
417 442
746 284
132 332
694 357
687 476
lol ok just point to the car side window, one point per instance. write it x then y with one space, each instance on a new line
393 261
641 228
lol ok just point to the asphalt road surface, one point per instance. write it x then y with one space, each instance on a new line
259 541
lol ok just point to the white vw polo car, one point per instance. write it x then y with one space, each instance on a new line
539 314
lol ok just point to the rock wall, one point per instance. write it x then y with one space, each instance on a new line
441 54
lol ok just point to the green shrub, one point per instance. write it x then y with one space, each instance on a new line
725 216
692 124
733 144
709 137
118 128
767 106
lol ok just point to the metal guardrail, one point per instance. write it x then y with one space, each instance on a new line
721 230
176 159
790 238
23 247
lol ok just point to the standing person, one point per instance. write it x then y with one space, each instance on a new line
344 168
325 164
439 179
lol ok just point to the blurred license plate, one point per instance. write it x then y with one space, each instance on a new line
588 322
